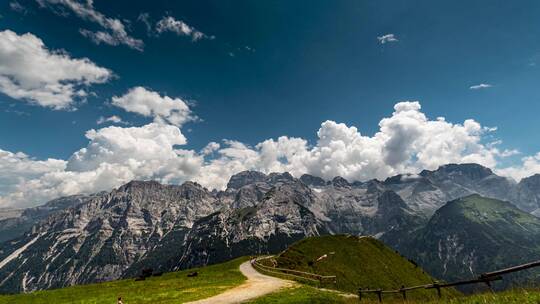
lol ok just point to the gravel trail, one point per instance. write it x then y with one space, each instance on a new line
255 286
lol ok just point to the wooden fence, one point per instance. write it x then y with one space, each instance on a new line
485 278
295 274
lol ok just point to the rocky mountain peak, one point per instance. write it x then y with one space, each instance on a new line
139 185
402 178
294 190
313 181
396 179
244 178
340 182
279 177
471 171
528 194
532 182
374 186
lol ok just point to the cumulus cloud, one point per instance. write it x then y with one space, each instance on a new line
151 104
387 38
114 155
131 147
18 169
111 119
480 86
210 148
407 142
30 71
180 28
115 31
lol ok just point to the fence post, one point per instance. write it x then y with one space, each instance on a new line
485 278
436 286
488 283
403 292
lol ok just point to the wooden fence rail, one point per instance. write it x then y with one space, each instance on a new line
485 278
294 273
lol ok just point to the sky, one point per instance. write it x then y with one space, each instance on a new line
96 93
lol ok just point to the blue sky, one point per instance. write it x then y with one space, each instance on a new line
272 68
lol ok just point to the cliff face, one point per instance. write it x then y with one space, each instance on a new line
99 239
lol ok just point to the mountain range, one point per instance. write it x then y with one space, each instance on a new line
112 235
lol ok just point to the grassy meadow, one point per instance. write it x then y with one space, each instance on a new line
173 287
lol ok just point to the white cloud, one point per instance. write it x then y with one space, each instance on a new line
116 34
530 165
179 27
113 156
30 71
131 146
100 37
111 119
387 38
480 86
17 7
210 148
145 19
16 169
407 142
151 104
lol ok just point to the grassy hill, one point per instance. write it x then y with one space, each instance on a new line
173 287
473 235
356 261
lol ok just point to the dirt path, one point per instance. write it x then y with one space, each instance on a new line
255 286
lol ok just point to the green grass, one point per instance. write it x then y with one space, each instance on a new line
357 262
303 294
517 296
507 297
482 209
173 287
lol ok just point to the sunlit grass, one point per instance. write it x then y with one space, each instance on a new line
173 287
306 295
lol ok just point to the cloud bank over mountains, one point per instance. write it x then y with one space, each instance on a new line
407 142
